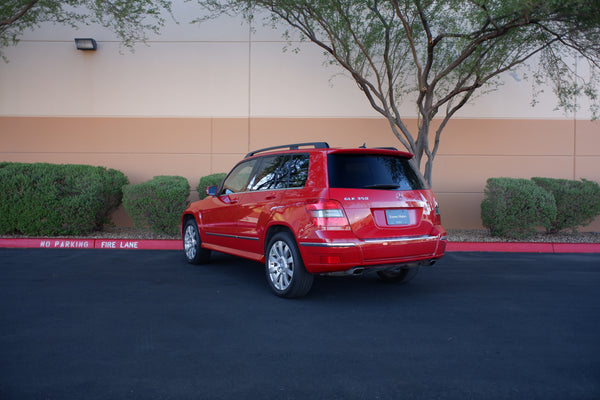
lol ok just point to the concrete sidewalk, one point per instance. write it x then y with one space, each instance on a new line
135 244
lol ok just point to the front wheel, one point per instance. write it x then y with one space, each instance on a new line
396 276
194 253
284 267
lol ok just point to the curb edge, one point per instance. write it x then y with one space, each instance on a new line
105 244
173 244
523 247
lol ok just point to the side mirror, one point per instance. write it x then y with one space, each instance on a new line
212 190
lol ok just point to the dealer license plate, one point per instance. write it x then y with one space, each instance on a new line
397 217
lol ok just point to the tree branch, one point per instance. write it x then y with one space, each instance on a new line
19 14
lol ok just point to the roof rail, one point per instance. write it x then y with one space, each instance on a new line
295 146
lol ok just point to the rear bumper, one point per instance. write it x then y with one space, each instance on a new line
345 255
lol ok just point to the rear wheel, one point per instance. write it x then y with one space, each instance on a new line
284 267
396 276
194 253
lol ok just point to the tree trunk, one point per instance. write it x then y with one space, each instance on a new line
422 152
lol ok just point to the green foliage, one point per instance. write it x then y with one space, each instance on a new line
209 180
577 202
129 20
514 208
158 203
50 199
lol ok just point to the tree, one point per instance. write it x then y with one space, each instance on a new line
130 20
440 53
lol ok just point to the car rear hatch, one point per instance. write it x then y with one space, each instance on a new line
386 202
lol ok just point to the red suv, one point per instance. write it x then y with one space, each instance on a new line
306 209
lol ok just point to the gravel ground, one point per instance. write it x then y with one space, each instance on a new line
110 232
481 235
454 235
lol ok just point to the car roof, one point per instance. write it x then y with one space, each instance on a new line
324 147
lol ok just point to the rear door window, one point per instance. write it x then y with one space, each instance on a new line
281 172
269 175
373 171
296 170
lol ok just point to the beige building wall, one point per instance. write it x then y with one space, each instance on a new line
197 98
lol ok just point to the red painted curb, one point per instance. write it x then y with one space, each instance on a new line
43 243
112 244
172 244
133 244
521 247
501 247
577 247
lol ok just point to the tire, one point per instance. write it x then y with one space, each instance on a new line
284 268
403 275
192 249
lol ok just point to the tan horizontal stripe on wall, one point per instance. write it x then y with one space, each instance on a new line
471 151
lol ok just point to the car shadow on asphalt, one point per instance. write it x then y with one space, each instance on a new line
231 271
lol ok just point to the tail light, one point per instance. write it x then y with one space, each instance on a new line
438 218
327 214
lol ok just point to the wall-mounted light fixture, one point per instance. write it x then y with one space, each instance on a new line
85 44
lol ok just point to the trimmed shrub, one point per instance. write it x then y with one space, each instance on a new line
57 199
209 180
577 202
158 203
514 208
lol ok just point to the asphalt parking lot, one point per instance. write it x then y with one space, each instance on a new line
90 324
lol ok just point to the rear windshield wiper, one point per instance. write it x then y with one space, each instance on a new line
383 186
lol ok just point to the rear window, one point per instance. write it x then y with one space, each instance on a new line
372 171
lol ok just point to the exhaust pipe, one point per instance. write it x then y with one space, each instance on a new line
356 271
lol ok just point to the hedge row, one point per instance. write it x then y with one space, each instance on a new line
516 208
158 203
577 202
51 199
